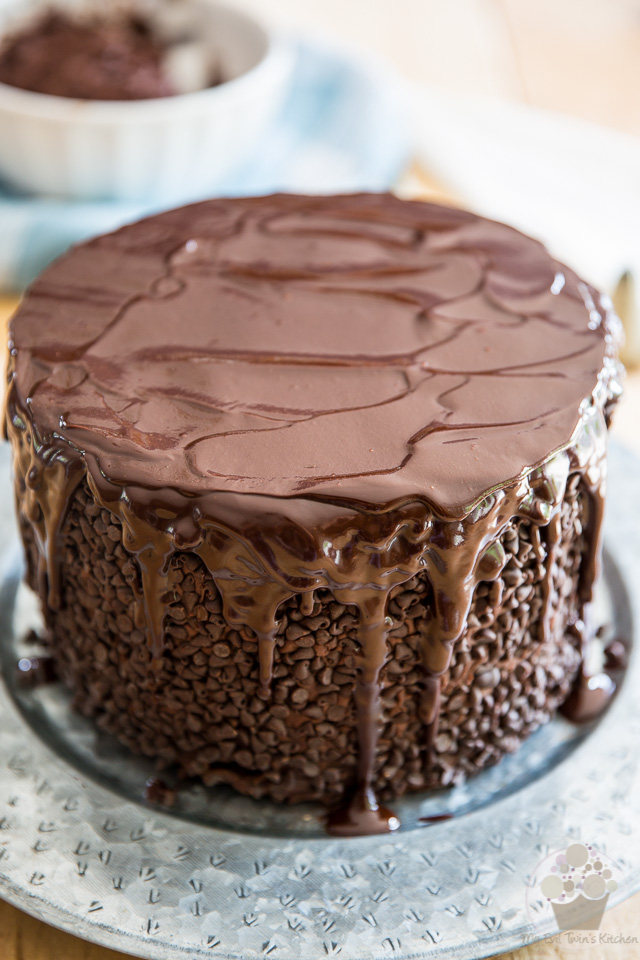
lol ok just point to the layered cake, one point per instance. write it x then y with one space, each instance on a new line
311 490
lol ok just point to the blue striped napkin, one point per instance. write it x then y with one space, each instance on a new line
342 128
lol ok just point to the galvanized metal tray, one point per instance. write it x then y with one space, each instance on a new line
224 876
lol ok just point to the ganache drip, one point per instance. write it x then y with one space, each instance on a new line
357 395
48 475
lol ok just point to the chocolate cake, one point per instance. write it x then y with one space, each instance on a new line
311 490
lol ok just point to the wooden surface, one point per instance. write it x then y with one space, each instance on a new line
577 56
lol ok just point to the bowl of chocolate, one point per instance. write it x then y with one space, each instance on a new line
311 490
151 100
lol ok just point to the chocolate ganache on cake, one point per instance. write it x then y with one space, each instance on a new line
311 489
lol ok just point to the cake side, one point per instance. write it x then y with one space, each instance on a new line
203 709
498 598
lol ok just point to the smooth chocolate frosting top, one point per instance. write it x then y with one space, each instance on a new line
98 58
354 347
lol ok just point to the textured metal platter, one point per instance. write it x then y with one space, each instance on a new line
225 877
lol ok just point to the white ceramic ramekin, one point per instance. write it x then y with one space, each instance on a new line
172 149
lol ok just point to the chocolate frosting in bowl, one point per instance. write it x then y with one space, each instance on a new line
315 392
94 58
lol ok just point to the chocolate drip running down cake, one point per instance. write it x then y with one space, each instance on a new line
311 490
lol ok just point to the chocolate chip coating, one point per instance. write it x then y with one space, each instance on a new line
203 711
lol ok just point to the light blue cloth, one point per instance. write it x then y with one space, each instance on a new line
342 128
